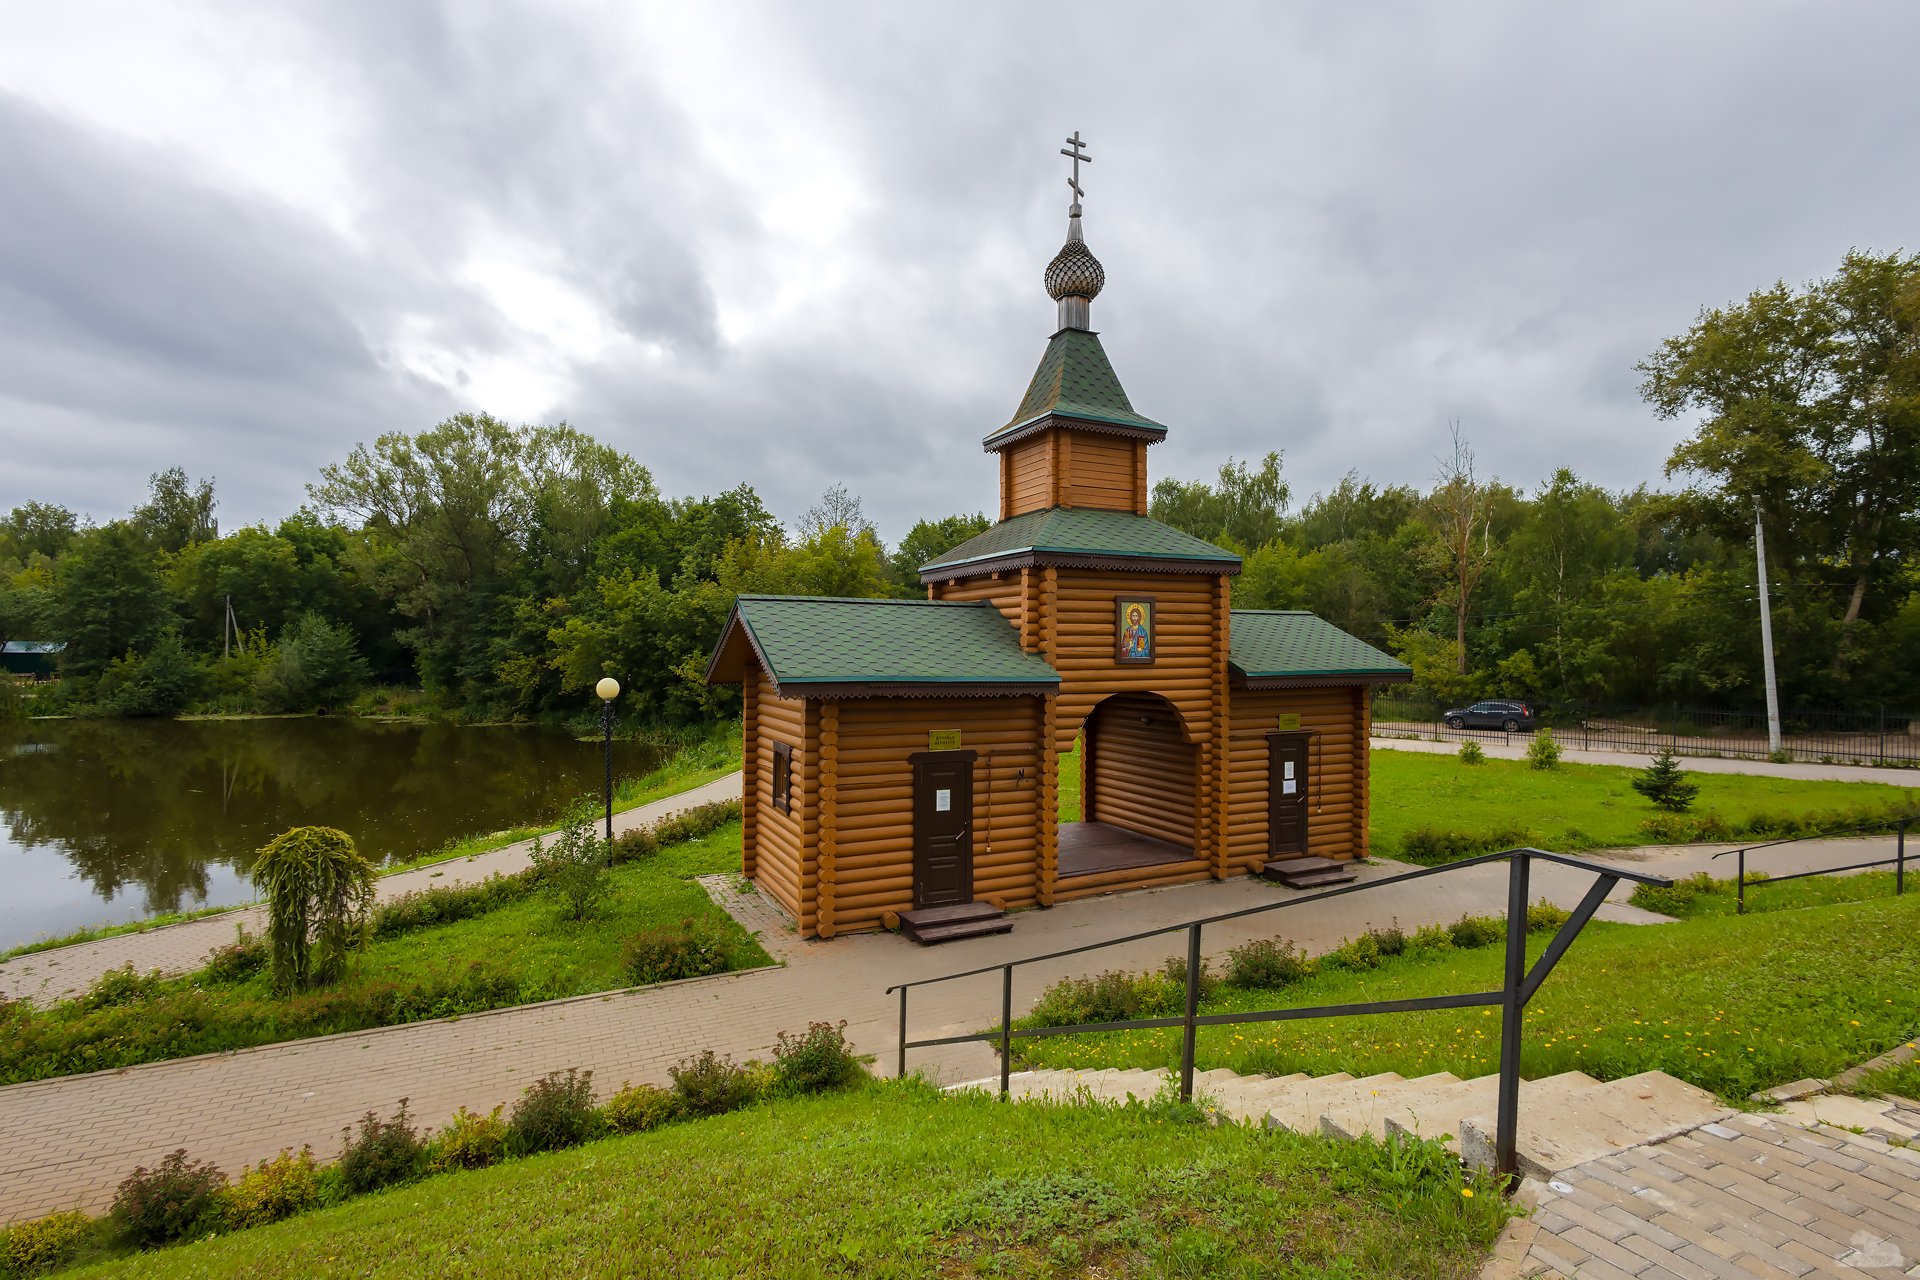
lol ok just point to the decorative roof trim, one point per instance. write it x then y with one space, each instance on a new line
1019 431
1319 680
1030 557
915 689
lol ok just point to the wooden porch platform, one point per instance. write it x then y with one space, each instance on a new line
1089 848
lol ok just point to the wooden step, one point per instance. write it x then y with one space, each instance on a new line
1308 873
924 916
976 924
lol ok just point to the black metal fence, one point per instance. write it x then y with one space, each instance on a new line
1898 861
1878 737
1516 990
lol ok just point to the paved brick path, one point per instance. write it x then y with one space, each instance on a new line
179 948
1754 1196
67 1142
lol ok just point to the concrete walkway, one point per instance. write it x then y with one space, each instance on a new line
66 1143
1801 770
46 976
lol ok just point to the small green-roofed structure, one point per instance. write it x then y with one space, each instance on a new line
1082 538
1282 648
37 658
815 646
1075 380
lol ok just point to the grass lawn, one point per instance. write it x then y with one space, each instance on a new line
1901 1080
1732 1003
1584 806
515 953
895 1181
1699 896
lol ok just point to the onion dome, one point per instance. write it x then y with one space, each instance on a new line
1074 278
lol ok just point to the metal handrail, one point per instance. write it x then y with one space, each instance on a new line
1898 861
1517 989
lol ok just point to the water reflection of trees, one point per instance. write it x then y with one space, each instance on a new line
158 804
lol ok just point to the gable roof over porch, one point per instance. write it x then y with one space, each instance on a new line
825 646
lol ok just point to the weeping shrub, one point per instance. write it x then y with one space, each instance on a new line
319 891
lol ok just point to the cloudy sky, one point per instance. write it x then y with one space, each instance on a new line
800 244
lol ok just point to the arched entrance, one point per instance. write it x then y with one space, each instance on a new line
1139 776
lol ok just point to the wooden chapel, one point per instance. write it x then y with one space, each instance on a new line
903 757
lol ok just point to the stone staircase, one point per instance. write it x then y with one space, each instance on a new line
1565 1120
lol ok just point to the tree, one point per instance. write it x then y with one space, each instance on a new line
37 528
319 900
450 514
1460 510
1568 539
1663 783
1809 405
930 539
176 514
316 664
1243 510
574 864
111 601
837 509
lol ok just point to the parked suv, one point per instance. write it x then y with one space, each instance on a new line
1511 716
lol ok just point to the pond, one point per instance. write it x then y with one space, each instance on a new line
106 821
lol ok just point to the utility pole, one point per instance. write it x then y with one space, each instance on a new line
226 631
1766 633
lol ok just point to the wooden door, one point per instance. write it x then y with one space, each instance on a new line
942 828
1287 793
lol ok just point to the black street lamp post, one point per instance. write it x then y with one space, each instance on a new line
608 689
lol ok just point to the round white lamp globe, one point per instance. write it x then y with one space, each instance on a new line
608 688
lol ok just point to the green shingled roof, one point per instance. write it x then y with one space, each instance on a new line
1069 531
1075 380
1271 644
820 640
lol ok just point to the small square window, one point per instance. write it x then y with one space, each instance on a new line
783 777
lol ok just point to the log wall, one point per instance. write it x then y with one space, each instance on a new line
1141 773
1067 468
775 853
1336 770
872 800
1080 645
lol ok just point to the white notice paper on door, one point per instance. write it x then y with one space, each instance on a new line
942 801
1288 787
1288 765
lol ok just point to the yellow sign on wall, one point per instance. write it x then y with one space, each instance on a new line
943 740
1289 722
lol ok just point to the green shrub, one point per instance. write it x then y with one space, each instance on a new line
574 865
317 663
1112 997
1431 846
274 1189
1477 931
1390 941
469 1141
1268 964
665 955
45 1244
319 893
120 986
1544 917
177 1199
554 1112
814 1062
710 1085
1470 753
695 822
1359 954
1676 898
1174 970
1431 937
238 960
383 1153
444 904
1663 783
640 1107
1544 751
1673 828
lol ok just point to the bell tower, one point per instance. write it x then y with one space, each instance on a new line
1075 441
